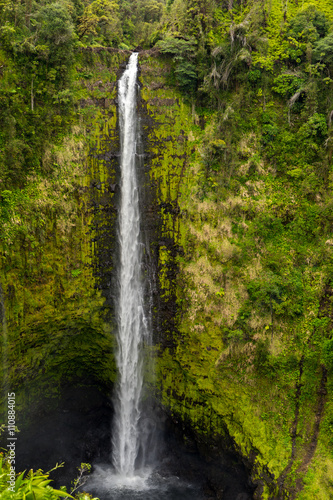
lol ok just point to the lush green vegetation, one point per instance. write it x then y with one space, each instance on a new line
255 316
40 48
52 320
36 485
253 353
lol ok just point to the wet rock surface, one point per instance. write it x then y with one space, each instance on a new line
218 475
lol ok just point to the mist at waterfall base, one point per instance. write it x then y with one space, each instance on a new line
142 466
149 485
180 472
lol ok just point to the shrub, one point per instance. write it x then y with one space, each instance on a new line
309 25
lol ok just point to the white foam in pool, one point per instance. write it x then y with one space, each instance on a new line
105 476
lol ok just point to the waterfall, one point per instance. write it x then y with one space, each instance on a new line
131 323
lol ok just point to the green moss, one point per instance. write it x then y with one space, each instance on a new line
246 350
56 327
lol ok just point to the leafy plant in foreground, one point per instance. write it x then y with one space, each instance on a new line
36 485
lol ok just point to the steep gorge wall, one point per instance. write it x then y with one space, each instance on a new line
242 365
246 369
164 118
55 274
263 397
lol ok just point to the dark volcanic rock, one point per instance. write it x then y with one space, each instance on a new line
77 431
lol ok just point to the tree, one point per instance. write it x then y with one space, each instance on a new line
323 50
183 53
55 25
101 19
309 25
55 32
199 16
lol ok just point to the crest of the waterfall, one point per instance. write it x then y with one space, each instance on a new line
131 322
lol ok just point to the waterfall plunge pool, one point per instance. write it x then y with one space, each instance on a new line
147 485
179 471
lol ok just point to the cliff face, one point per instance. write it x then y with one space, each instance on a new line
248 366
58 255
57 247
237 256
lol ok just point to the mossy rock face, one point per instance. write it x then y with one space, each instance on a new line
242 356
57 259
168 145
164 123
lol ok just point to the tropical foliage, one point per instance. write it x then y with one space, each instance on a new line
34 485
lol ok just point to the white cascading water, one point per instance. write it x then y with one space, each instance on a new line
130 314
